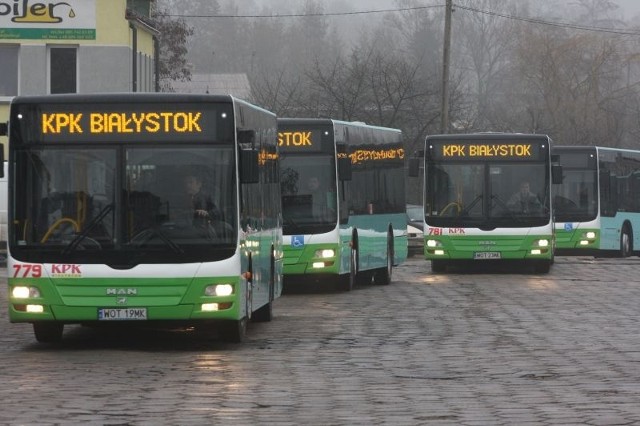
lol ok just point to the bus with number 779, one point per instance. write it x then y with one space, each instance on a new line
142 209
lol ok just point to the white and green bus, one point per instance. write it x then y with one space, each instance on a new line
487 197
343 200
105 230
597 206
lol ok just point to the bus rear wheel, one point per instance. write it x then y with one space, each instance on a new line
625 242
48 332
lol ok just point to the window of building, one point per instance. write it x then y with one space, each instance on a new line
9 70
63 69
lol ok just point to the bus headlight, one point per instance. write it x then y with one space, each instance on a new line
543 243
23 292
590 235
433 243
219 290
325 253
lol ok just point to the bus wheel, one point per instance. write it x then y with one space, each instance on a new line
543 267
48 332
383 275
625 242
265 313
349 280
438 266
233 331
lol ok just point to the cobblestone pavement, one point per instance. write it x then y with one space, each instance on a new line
465 348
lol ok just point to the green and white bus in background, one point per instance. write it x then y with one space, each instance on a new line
597 206
343 198
487 197
102 229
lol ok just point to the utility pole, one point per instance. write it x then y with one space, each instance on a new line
446 55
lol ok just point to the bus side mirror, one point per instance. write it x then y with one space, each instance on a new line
556 174
344 168
249 168
414 167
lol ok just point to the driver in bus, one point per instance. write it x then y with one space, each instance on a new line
203 207
524 201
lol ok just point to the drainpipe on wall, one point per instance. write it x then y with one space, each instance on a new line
156 62
134 58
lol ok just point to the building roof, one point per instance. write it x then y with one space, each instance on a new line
215 84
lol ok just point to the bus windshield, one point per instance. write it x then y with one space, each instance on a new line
125 205
308 186
487 195
575 200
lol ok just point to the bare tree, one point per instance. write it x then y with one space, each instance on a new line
173 36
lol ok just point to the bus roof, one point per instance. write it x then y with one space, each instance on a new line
330 121
488 136
96 98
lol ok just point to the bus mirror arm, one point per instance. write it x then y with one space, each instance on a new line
249 168
344 169
556 174
414 167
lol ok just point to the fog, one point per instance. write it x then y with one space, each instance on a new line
567 68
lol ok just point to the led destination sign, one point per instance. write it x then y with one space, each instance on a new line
99 123
496 151
154 122
294 139
303 140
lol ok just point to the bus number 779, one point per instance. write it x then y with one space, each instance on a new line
26 271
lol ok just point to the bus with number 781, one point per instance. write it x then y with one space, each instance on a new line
487 197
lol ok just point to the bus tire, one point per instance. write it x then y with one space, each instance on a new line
625 242
543 266
233 331
439 266
383 275
349 280
265 312
48 332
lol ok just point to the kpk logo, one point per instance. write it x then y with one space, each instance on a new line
65 271
25 11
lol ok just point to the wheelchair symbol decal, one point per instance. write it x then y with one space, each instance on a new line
297 241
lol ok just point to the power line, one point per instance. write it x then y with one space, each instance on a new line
550 23
558 24
305 15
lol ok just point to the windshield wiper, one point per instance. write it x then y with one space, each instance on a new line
163 237
471 205
73 244
504 205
